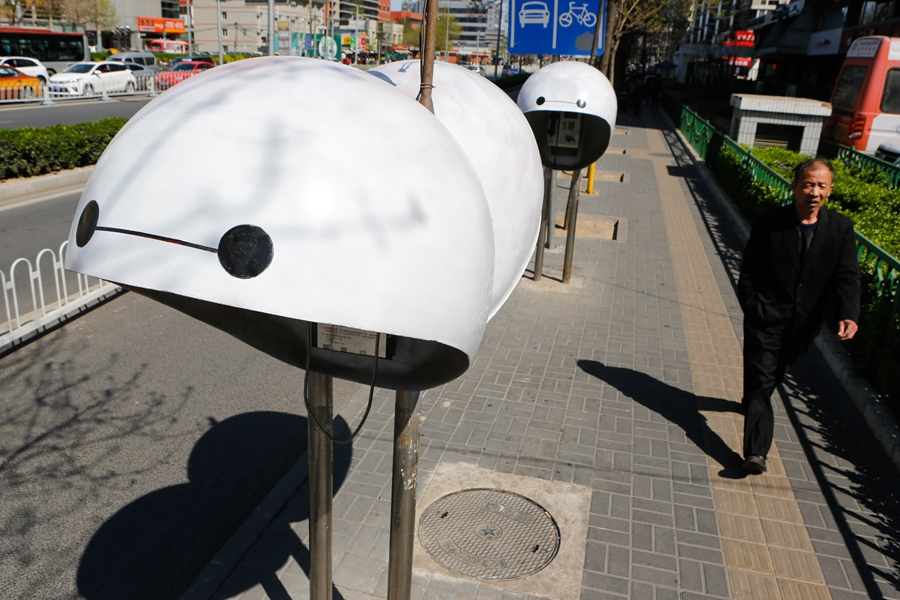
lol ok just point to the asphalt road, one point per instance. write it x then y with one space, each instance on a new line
69 112
133 443
26 230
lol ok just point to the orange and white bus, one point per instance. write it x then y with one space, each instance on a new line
55 49
170 46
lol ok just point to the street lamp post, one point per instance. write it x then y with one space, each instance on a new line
219 31
271 23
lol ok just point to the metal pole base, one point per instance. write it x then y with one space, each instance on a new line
321 472
542 232
403 494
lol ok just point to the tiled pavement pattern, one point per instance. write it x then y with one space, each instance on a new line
626 381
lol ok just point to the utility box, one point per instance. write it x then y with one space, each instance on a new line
791 123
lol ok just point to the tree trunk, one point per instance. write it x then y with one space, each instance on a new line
611 46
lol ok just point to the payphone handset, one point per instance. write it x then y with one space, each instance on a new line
571 108
564 133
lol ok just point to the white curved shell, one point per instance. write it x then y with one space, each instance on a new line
563 84
377 218
499 142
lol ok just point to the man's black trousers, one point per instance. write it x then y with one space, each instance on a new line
767 355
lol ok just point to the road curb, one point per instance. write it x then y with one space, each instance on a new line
15 189
878 418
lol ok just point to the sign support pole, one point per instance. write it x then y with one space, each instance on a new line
403 494
542 232
574 193
321 475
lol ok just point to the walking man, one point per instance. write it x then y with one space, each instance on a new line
798 257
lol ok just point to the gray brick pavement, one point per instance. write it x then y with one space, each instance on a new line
591 384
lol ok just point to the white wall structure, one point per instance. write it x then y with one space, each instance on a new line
801 114
496 137
404 248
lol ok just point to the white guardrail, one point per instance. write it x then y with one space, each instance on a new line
145 84
32 299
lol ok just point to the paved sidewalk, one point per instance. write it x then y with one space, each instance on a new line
624 385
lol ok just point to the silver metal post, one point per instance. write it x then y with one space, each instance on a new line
46 89
542 231
403 494
320 454
574 193
551 214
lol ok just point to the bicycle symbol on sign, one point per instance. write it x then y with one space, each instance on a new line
580 14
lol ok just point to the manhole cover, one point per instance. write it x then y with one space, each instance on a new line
489 534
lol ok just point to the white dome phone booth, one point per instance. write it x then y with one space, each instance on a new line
571 107
312 249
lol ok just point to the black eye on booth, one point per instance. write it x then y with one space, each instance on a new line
540 100
581 103
87 223
245 251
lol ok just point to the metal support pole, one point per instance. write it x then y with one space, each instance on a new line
46 89
551 214
403 494
320 454
590 183
542 231
574 192
427 55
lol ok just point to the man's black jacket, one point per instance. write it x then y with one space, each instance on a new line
778 292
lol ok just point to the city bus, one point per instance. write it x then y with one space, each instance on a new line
57 50
171 46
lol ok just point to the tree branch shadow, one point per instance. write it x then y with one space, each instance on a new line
157 545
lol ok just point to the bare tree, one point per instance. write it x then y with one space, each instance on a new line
99 14
12 10
625 17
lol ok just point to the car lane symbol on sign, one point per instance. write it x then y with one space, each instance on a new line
555 27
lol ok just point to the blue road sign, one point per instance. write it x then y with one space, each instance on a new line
563 27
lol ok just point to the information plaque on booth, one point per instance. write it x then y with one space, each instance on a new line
349 340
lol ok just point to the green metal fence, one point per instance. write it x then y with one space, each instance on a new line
852 157
883 268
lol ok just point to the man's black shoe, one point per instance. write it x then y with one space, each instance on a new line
755 464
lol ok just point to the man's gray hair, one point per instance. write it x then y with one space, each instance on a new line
813 162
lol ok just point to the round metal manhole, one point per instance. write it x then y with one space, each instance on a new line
489 534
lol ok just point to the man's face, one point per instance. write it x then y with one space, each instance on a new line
811 189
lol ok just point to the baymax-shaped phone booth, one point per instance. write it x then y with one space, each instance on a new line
571 108
288 230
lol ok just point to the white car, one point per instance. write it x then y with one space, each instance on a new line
87 79
29 66
535 13
889 150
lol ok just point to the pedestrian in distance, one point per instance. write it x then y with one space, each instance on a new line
798 258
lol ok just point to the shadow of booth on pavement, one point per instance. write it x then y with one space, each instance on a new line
153 548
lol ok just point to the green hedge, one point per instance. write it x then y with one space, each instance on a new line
33 151
861 194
